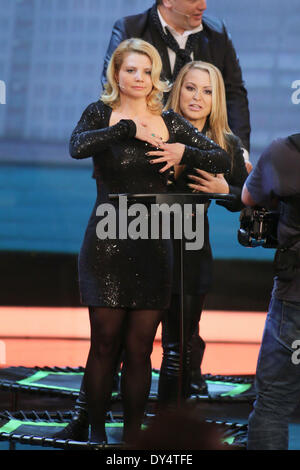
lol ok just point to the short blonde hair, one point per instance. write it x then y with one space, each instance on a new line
218 120
111 94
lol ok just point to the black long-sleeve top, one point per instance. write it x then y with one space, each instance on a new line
93 137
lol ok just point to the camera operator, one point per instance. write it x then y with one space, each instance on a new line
275 182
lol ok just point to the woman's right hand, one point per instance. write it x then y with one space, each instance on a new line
144 133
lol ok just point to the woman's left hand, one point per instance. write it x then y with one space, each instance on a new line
209 183
171 154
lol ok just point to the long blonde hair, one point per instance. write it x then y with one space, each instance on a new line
111 94
218 128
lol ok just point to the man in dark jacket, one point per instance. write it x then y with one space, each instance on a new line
181 32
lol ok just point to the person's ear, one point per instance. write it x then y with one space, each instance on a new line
167 3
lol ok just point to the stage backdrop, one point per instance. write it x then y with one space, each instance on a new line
51 58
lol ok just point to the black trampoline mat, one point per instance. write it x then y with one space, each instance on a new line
31 428
54 380
49 429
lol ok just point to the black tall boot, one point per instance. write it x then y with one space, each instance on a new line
175 378
78 428
198 386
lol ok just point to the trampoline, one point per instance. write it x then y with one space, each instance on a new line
38 428
66 382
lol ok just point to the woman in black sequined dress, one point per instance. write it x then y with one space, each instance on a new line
126 283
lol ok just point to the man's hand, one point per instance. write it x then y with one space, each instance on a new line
247 198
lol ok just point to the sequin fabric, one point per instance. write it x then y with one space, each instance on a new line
130 273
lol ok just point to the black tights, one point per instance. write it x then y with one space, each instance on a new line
111 330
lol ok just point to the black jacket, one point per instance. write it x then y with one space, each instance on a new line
215 47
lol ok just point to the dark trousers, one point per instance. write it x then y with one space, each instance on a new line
277 378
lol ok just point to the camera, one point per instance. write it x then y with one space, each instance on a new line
258 227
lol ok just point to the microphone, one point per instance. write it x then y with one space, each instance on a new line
180 13
120 86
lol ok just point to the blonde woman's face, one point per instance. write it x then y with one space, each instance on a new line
196 95
134 77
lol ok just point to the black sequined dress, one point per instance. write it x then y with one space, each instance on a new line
125 272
